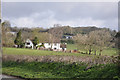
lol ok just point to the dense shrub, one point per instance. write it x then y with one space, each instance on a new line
59 70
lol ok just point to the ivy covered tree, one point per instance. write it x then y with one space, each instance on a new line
18 39
117 36
35 41
5 28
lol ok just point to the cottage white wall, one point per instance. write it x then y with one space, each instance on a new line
30 45
47 45
52 46
57 46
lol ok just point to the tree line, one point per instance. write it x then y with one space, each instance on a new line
85 38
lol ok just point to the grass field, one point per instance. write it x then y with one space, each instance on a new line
71 46
58 70
23 51
109 51
18 51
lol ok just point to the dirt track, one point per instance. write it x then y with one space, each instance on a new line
6 77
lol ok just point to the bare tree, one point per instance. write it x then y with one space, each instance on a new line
95 40
42 36
56 31
100 39
81 42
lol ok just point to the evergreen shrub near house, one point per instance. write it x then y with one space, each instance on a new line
35 41
22 45
40 46
18 40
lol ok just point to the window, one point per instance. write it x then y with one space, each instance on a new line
28 43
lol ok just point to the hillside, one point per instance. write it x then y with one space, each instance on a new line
65 29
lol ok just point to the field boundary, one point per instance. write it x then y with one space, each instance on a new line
56 58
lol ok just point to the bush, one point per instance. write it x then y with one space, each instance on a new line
40 46
69 41
59 70
22 45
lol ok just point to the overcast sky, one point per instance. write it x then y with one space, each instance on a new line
46 14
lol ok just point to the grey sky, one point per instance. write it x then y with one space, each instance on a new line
46 14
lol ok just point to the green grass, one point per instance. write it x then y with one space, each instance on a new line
71 46
108 51
21 51
58 70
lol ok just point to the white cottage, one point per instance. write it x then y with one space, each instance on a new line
29 44
54 46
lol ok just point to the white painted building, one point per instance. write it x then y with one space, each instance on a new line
29 44
13 33
68 37
54 46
